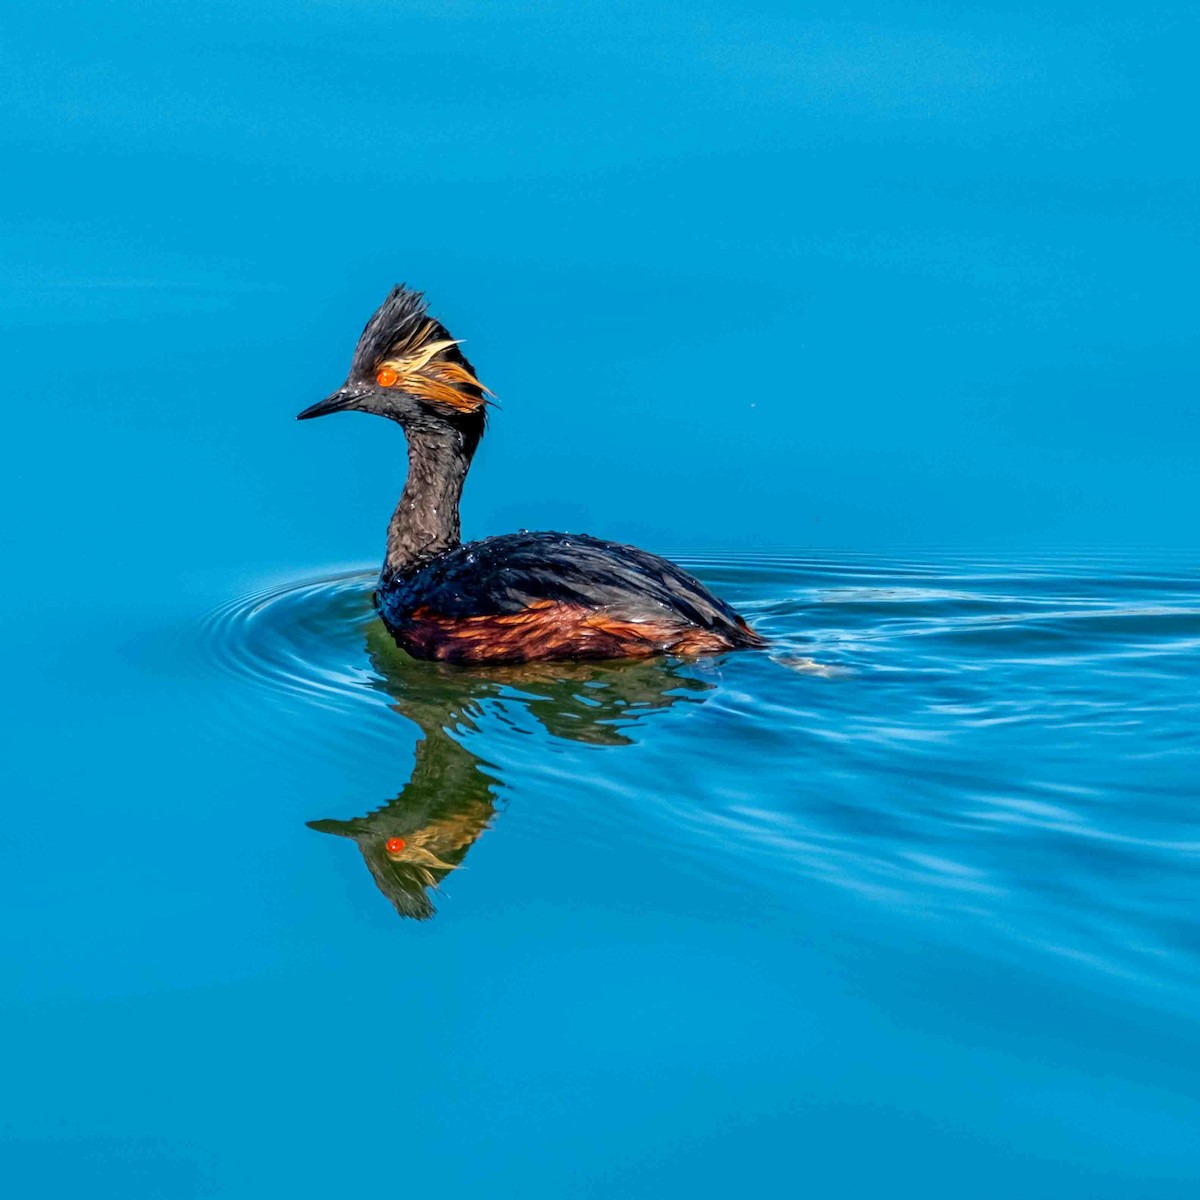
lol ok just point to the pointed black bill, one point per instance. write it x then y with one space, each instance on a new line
343 400
337 828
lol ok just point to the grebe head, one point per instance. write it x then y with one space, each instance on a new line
406 366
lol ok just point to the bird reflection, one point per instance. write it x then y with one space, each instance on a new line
417 839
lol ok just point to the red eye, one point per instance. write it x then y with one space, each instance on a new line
394 845
385 377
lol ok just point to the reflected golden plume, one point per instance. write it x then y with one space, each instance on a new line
412 843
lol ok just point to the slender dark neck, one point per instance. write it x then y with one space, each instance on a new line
425 522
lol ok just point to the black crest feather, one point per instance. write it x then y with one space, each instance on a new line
398 327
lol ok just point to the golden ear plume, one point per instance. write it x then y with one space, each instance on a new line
436 379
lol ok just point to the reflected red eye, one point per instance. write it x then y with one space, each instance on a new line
394 845
385 377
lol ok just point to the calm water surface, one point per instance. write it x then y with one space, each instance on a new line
907 905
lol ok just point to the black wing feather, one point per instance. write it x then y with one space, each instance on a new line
507 574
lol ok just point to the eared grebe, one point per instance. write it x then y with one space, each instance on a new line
520 597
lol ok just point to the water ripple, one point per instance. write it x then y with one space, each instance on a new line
995 750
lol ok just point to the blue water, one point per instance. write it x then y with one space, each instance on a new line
1002 752
905 905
